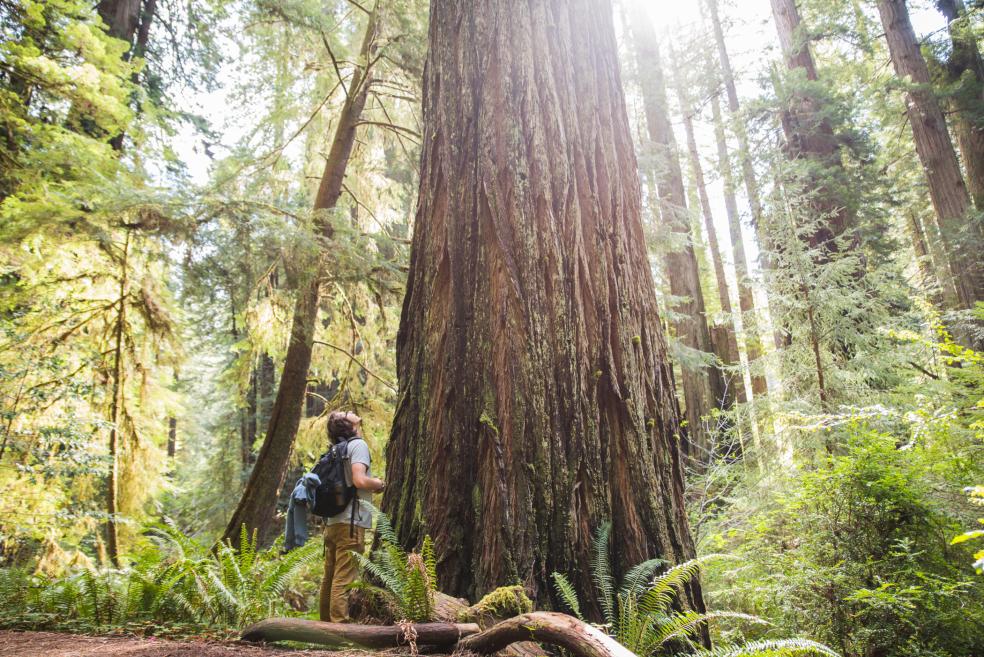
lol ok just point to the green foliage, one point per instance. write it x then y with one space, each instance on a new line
641 616
175 582
409 579
858 550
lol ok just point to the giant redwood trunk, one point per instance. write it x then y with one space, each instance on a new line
536 401
703 388
258 503
961 236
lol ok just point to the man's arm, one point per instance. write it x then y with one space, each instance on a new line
362 480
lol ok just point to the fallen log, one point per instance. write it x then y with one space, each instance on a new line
457 610
579 638
352 635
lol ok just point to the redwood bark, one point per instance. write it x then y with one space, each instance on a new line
258 503
961 235
703 389
536 400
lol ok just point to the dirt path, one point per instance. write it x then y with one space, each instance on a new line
52 644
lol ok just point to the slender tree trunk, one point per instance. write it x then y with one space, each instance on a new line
966 66
930 279
726 346
703 388
753 332
172 437
961 235
536 400
257 506
746 298
115 412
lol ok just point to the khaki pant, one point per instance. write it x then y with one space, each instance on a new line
341 570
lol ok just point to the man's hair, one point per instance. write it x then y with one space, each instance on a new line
339 426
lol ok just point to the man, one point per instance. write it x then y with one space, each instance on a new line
342 535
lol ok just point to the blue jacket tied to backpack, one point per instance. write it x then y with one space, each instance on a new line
296 532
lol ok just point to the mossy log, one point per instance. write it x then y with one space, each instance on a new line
352 635
579 638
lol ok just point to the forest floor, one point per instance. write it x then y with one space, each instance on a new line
53 644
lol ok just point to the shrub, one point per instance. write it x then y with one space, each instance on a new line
178 583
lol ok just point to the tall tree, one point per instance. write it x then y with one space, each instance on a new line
965 70
258 503
726 346
536 400
961 234
746 298
810 137
703 387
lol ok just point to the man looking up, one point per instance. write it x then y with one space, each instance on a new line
346 532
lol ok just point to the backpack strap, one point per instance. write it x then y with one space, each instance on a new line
355 491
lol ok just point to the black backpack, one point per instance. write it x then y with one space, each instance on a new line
333 494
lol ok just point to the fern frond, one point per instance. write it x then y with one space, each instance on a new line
602 571
660 594
640 575
565 590
430 561
390 579
275 582
772 648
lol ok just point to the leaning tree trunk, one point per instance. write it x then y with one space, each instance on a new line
703 388
946 185
259 500
536 401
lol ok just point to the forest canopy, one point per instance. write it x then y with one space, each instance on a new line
667 316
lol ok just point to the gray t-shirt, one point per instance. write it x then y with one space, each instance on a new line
358 452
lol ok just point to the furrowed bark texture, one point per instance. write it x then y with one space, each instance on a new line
704 388
258 504
961 236
536 400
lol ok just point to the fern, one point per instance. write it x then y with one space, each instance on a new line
641 617
640 575
772 648
566 592
601 569
409 579
660 595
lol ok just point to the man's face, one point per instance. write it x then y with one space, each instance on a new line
355 420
